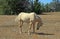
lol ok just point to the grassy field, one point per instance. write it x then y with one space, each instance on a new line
49 30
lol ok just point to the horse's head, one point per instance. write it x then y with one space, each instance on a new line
39 25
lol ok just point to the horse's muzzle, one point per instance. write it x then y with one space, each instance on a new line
37 28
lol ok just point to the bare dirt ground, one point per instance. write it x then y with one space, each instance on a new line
49 30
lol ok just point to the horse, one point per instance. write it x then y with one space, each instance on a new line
30 18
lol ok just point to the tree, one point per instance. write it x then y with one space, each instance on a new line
37 7
47 9
16 6
32 5
56 5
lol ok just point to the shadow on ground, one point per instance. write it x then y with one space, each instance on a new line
42 33
45 14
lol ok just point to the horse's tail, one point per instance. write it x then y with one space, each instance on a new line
17 19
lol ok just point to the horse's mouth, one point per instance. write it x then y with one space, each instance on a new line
37 28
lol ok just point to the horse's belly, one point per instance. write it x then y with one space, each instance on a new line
25 19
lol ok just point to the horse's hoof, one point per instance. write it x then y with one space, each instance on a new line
29 33
20 32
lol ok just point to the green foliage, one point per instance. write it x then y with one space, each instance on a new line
37 7
42 7
10 7
18 6
47 9
6 10
1 6
55 5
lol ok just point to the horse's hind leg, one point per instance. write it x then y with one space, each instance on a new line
20 27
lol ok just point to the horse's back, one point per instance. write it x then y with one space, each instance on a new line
26 16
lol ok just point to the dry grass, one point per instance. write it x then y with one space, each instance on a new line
49 30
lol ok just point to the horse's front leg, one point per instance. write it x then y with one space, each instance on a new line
33 27
29 30
20 27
